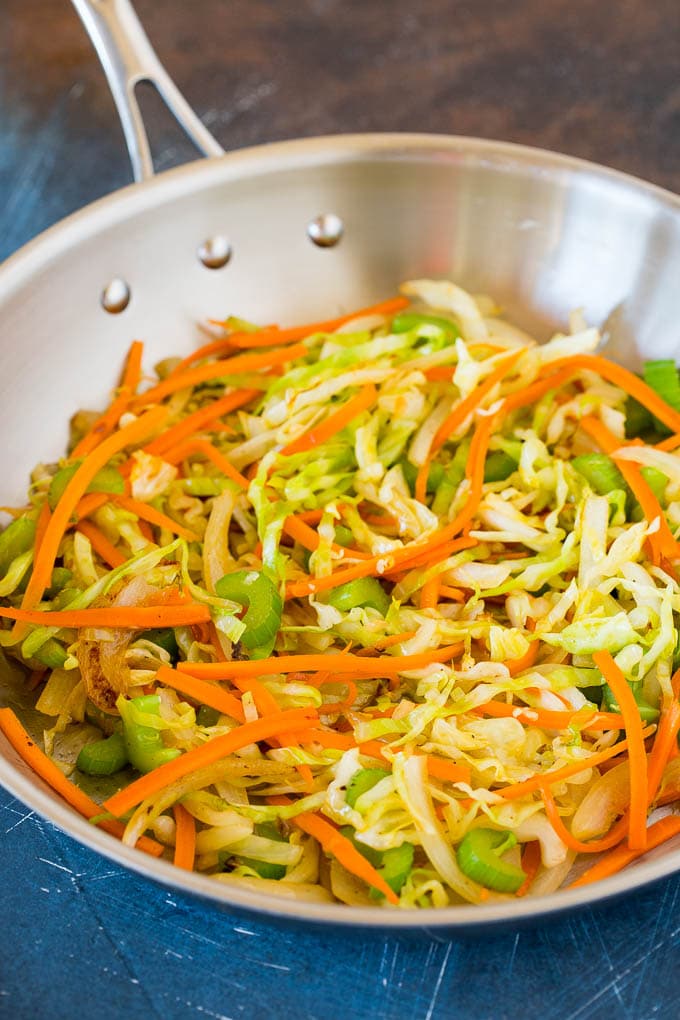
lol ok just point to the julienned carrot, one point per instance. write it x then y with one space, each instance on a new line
595 846
333 842
429 593
531 862
271 336
386 642
44 518
442 768
455 594
100 543
619 858
333 424
117 617
265 702
475 474
75 489
546 779
199 420
207 754
91 502
237 365
470 403
665 739
636 747
460 412
54 777
108 421
343 662
185 838
662 541
525 661
622 378
550 719
309 538
204 448
201 691
379 565
153 516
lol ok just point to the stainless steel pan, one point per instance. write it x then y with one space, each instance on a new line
542 232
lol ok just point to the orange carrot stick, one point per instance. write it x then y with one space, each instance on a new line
93 462
345 663
455 419
201 691
265 703
54 777
378 564
665 739
240 363
153 516
207 754
442 768
274 335
211 453
545 779
622 378
429 593
333 424
44 518
101 545
90 502
549 719
636 747
185 838
118 617
595 846
465 408
525 661
619 858
309 539
333 842
108 421
200 419
531 862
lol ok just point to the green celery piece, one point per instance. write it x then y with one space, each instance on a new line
51 654
365 591
648 713
397 864
373 857
435 477
103 757
144 744
499 466
479 857
17 538
107 480
657 481
254 590
600 472
639 421
164 637
363 781
662 377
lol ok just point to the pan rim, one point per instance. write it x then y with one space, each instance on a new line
263 159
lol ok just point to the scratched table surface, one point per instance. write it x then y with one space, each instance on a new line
81 936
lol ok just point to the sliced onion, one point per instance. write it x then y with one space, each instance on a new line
607 798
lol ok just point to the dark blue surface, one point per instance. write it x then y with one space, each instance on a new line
80 936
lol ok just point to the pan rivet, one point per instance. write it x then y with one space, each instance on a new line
215 252
326 230
116 296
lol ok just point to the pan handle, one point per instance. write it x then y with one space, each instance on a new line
128 58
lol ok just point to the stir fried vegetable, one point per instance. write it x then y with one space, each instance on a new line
382 609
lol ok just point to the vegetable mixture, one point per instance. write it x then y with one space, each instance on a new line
380 610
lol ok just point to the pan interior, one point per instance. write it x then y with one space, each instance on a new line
543 234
